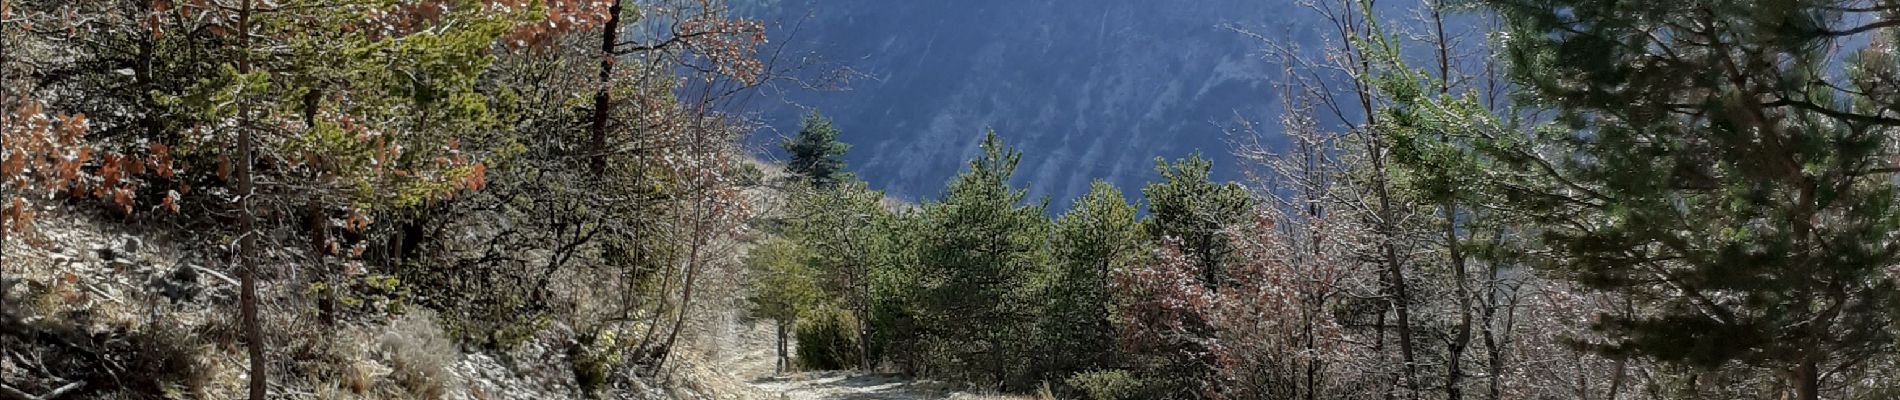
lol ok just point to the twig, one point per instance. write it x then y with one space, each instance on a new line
61 391
102 293
14 393
215 274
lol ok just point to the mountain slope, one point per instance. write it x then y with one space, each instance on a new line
1087 89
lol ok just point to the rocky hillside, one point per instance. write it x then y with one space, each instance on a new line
1093 89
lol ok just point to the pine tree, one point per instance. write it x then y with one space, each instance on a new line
1094 239
1189 206
982 242
1708 158
816 153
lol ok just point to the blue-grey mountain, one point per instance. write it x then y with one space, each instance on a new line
1087 89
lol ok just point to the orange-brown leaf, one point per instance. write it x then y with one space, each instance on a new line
171 201
164 169
123 198
22 219
14 164
109 170
477 177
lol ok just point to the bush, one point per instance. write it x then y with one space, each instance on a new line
164 359
595 356
1107 385
421 355
827 340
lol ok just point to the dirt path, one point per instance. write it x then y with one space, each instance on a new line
741 367
837 385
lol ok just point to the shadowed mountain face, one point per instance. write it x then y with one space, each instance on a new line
1086 89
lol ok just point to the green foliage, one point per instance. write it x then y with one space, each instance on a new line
595 358
840 226
1097 237
1704 160
782 284
341 95
981 245
1107 385
827 339
816 152
1187 205
365 295
897 293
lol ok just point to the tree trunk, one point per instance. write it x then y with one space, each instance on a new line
686 293
1454 371
1395 271
863 281
1387 227
864 341
7 197
1807 381
609 37
783 358
1494 351
1312 348
247 222
1617 378
1454 375
996 362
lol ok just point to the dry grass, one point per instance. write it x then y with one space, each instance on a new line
420 355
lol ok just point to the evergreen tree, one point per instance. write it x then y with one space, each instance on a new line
898 292
816 152
982 242
1711 159
1097 237
1188 206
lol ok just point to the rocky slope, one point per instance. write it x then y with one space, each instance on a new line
1087 89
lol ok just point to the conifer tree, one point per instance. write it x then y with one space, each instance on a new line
1710 159
816 153
1090 242
982 242
1189 206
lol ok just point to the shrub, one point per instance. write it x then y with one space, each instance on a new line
164 359
1107 385
595 356
421 355
827 340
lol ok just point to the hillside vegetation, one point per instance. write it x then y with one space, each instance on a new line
479 199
